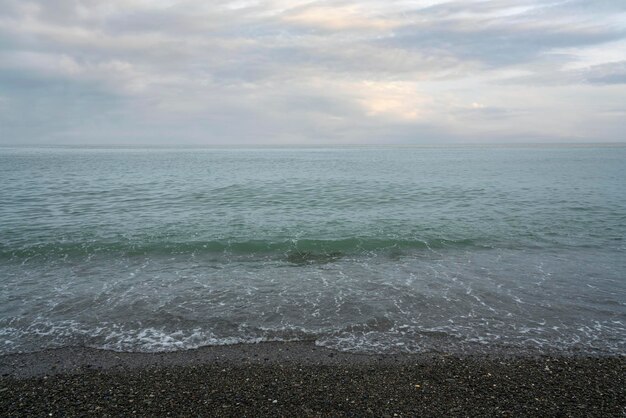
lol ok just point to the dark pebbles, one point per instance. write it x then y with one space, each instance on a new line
307 382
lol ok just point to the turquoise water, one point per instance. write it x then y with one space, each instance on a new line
359 249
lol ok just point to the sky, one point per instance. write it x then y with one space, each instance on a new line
287 72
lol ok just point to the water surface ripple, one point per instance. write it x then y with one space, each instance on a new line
361 249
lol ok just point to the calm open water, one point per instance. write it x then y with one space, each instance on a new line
359 249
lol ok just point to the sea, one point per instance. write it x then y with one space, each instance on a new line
453 249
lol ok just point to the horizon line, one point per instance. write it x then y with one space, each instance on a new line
317 146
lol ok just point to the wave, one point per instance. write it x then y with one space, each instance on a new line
296 251
377 336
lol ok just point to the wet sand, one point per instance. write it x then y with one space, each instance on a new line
300 379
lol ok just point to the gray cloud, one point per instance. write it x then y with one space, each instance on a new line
284 71
505 33
612 73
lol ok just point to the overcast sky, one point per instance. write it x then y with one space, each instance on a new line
194 72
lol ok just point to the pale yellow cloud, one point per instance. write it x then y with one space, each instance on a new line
400 100
338 18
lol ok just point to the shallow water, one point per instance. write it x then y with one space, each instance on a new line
359 249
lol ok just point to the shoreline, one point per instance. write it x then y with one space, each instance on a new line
77 360
301 379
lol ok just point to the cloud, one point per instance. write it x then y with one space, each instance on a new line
505 33
338 18
612 73
314 71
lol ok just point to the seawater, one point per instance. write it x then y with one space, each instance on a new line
370 250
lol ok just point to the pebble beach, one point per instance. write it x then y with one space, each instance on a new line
300 379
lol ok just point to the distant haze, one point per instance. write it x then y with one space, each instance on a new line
161 72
